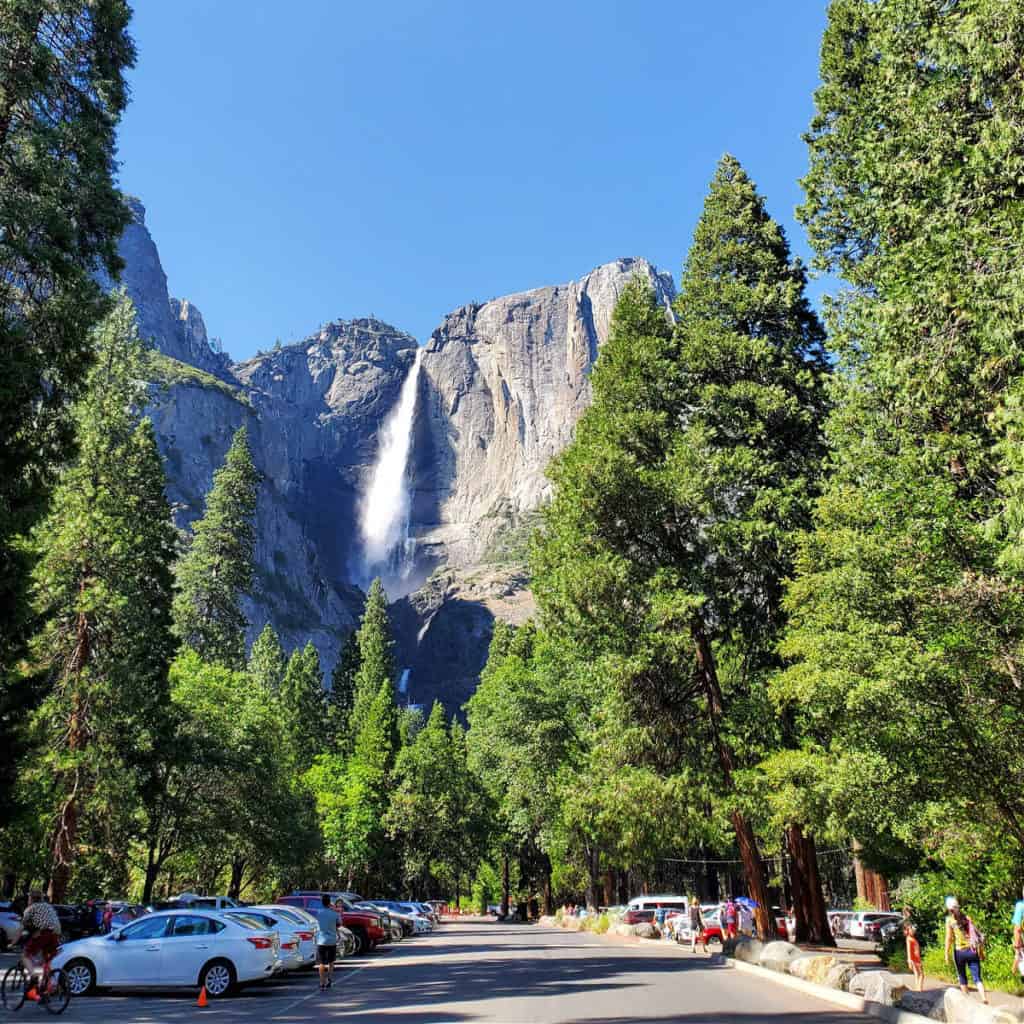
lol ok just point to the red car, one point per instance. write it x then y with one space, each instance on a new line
365 925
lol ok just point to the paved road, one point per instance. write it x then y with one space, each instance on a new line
510 974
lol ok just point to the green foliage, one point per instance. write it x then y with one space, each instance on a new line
305 704
376 663
437 812
62 92
168 371
217 569
343 687
102 591
906 607
266 660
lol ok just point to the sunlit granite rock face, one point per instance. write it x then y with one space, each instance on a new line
501 388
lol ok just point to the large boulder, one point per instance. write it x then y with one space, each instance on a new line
924 1004
840 975
777 956
878 987
813 968
961 1009
636 931
747 950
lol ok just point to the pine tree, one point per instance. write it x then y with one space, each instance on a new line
266 660
376 657
342 696
103 589
305 705
62 92
217 569
906 610
672 526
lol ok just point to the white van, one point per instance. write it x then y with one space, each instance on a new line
665 901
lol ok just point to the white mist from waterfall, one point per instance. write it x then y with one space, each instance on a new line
385 508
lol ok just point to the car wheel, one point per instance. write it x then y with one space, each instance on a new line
362 943
81 977
218 978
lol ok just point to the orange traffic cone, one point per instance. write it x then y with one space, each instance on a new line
202 997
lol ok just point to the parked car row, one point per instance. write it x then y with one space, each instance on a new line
872 925
188 943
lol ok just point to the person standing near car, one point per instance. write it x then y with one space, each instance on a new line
327 922
966 944
729 915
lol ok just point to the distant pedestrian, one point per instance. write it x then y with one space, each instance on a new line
731 915
967 945
327 922
696 926
914 955
1018 936
107 921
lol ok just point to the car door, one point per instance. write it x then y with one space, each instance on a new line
187 946
134 954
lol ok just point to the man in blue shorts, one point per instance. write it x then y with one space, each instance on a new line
327 922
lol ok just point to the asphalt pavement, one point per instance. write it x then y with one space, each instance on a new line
506 973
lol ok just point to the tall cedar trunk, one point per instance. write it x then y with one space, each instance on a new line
237 869
548 902
66 835
798 883
593 877
817 911
504 885
609 887
750 856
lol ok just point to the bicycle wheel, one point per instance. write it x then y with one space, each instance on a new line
58 995
13 987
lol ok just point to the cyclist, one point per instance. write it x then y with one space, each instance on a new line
41 923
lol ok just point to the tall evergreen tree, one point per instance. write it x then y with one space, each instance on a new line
907 618
672 525
376 655
343 687
266 660
304 701
62 92
217 569
103 590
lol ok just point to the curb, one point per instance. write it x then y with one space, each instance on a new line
890 1014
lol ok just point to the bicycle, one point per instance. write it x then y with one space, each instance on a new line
18 983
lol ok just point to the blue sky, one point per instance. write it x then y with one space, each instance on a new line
320 159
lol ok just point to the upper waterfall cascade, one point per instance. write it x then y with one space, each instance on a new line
384 510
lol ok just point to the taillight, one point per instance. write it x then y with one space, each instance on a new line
305 936
288 945
259 941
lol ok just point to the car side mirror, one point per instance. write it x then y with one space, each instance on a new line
119 936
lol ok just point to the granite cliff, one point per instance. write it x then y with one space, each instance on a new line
500 389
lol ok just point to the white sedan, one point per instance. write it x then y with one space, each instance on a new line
10 926
172 948
289 957
305 927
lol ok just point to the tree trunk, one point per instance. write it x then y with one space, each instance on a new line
549 907
817 912
152 870
504 885
750 856
609 887
872 888
9 885
237 869
593 877
798 883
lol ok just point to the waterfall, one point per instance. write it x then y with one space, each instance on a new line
384 510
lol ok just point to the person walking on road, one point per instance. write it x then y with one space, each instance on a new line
966 944
696 926
327 922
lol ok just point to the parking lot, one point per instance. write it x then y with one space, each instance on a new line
281 998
